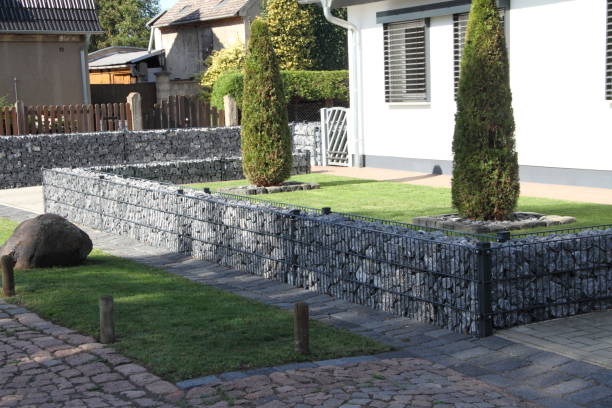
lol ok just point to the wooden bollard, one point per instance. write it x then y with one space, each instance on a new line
300 328
107 322
7 263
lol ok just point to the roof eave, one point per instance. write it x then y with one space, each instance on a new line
198 20
50 32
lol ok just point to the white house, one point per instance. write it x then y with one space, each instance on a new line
404 56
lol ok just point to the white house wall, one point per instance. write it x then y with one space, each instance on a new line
557 60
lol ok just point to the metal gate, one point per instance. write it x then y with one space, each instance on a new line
334 133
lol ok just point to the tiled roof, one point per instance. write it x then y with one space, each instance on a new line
49 16
186 11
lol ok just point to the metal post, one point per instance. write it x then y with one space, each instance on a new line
300 328
503 236
485 323
291 255
324 137
107 321
7 264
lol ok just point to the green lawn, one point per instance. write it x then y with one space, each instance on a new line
402 202
177 328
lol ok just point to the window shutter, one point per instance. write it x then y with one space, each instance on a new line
609 54
460 30
405 61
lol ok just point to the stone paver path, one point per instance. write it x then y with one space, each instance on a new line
43 365
586 337
392 383
525 372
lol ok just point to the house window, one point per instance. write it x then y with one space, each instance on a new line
609 55
460 31
405 61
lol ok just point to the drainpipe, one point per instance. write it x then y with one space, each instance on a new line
355 112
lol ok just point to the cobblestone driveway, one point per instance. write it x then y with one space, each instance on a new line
44 365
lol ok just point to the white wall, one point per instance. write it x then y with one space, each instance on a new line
557 59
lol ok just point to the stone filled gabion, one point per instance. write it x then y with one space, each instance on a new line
307 137
546 277
23 157
427 276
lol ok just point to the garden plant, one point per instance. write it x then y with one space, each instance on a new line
265 135
485 174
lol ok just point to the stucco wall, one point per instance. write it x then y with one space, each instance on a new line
47 68
188 45
557 60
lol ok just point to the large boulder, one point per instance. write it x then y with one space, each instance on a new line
45 241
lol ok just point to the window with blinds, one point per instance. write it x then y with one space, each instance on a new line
460 30
609 54
405 61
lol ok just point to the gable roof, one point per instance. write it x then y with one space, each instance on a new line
189 11
49 16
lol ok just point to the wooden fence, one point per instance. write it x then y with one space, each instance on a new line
24 120
182 112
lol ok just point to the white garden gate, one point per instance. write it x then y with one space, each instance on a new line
334 133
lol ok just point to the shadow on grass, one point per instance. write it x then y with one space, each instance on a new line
345 182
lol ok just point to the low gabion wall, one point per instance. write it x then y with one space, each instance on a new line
196 171
426 276
455 282
23 157
307 137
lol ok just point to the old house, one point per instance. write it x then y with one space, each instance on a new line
190 30
43 50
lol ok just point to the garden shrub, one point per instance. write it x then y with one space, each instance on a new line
292 33
485 175
265 135
300 86
226 60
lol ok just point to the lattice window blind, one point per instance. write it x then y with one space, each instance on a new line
405 61
609 54
460 29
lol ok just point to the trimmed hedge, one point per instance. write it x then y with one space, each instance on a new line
308 86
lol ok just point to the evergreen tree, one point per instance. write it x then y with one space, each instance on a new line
485 175
124 22
330 52
265 136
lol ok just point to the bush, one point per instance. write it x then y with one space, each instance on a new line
291 29
265 136
307 86
4 103
226 60
485 175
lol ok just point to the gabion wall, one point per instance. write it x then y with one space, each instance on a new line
307 137
196 171
428 276
23 157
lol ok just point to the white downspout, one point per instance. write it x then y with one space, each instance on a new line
355 124
85 71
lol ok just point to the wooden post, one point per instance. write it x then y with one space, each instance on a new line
300 328
230 107
21 118
8 276
107 323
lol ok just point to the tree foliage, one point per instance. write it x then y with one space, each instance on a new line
265 136
485 175
225 60
300 86
291 32
330 52
124 22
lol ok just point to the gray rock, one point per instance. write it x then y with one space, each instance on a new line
45 241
